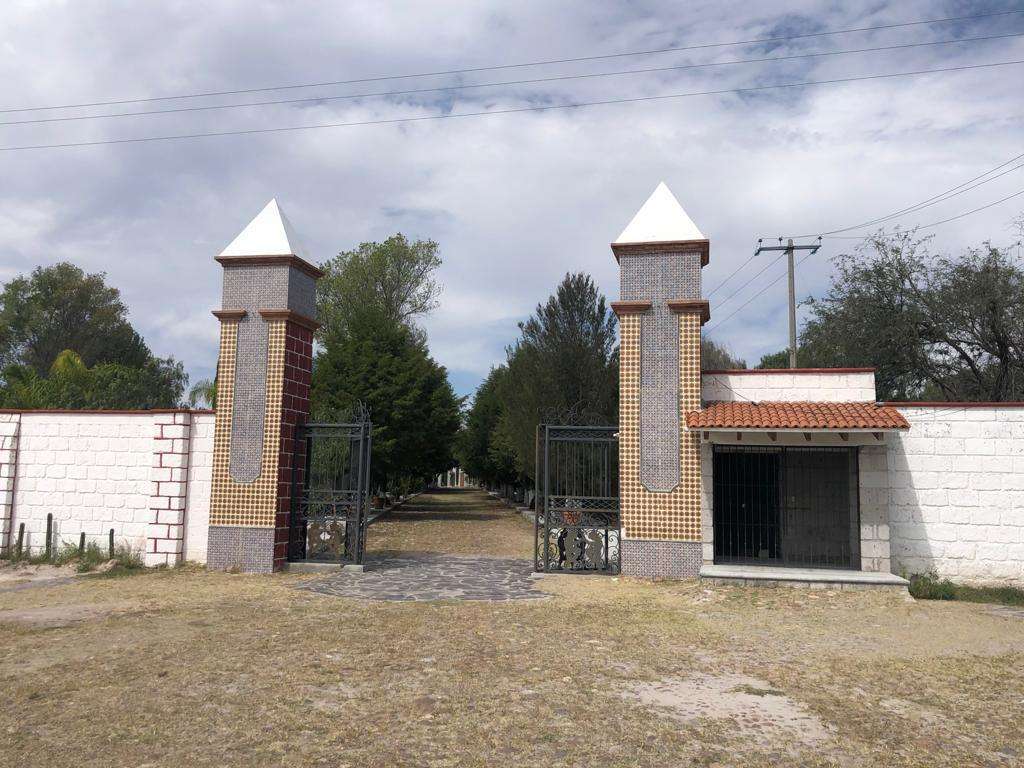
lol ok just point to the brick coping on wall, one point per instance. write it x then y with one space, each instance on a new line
101 412
751 371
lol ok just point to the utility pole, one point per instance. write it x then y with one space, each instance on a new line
790 250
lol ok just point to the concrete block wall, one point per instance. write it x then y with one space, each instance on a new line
95 471
828 385
956 493
873 490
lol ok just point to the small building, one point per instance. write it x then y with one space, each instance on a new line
792 474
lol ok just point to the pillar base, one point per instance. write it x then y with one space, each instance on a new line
234 548
663 559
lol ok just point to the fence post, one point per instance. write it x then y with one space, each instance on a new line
81 543
21 539
111 543
49 535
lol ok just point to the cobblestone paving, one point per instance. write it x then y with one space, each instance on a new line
420 576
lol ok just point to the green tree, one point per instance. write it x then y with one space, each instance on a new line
716 357
563 368
71 384
478 449
935 327
378 284
375 357
203 393
61 307
415 412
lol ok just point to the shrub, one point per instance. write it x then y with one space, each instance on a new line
928 586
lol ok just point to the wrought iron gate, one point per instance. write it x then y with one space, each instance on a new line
577 507
330 492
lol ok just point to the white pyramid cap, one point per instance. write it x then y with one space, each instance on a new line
660 220
269 234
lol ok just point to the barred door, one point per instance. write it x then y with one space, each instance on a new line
330 492
577 507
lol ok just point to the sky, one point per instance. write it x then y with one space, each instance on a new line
514 200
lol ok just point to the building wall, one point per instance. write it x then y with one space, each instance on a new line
956 494
839 385
96 471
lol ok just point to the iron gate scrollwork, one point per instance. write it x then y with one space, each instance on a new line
330 492
577 508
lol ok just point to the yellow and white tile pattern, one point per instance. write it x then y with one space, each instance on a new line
251 505
675 514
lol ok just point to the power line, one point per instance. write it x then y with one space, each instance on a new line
941 197
926 226
765 288
511 110
531 81
493 67
944 221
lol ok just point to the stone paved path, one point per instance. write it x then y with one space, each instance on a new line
418 576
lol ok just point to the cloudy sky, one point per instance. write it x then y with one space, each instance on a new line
515 200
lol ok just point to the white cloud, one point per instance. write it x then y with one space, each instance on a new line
514 200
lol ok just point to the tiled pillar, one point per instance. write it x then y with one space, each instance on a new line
660 315
165 533
298 366
262 394
10 424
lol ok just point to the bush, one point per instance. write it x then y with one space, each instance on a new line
928 586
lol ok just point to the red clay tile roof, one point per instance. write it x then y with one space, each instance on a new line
778 415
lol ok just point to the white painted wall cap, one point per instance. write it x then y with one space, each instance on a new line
269 234
660 220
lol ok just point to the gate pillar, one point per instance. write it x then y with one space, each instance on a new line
660 254
263 377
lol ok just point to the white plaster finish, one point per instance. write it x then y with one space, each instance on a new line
660 220
811 386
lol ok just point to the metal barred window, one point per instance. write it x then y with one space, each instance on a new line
790 506
577 520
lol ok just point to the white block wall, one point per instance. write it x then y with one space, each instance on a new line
789 386
956 494
93 472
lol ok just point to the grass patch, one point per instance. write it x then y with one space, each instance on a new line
928 586
84 561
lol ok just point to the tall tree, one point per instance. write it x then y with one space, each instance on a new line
65 342
563 367
378 283
717 357
479 449
415 412
61 307
374 356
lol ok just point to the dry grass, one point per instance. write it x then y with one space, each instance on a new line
455 522
217 669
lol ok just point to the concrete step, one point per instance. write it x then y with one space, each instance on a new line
813 578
